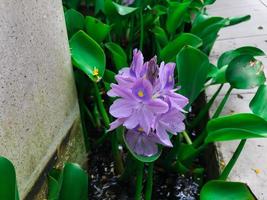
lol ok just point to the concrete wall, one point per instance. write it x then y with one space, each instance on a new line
38 103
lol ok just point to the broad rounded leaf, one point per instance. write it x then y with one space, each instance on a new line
74 183
228 56
144 159
245 72
8 185
72 3
222 190
124 10
160 35
109 76
218 77
87 55
118 55
96 29
207 29
236 127
74 21
176 14
193 67
258 104
169 52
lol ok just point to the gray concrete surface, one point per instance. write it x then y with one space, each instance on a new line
251 167
38 103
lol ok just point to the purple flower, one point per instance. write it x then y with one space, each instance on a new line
148 105
127 2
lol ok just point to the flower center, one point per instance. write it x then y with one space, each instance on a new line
140 93
140 129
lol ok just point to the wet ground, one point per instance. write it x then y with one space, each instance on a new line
105 185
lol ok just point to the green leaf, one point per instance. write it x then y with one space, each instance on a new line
236 127
74 184
87 55
209 2
96 29
72 3
207 29
54 184
245 72
124 10
222 190
176 14
144 159
237 20
258 104
169 52
159 10
74 21
118 55
109 76
228 56
99 5
160 35
8 183
219 76
193 67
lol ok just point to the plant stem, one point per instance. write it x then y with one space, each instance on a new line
101 106
139 180
186 137
149 183
220 107
116 154
205 110
141 29
233 160
87 111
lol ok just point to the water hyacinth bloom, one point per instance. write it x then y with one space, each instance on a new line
147 104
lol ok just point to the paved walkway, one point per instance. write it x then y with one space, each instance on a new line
251 167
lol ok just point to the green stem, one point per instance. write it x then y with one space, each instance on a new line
233 160
139 181
186 137
101 106
149 183
116 154
220 107
89 114
141 29
101 139
205 110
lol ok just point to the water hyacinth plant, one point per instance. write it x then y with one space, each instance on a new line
149 106
132 109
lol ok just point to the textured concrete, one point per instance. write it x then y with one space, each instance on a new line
38 102
251 167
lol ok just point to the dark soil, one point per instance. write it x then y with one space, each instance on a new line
105 185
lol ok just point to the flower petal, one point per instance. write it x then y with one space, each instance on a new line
115 124
142 90
122 108
119 91
157 106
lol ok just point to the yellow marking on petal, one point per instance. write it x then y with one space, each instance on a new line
140 129
257 171
95 71
170 78
140 93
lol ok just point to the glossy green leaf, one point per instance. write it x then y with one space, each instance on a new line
222 190
124 10
109 76
169 52
74 21
118 55
193 67
144 159
236 127
54 184
159 10
8 185
237 20
176 12
228 56
209 2
219 76
87 55
258 104
160 35
96 29
72 3
74 184
207 29
245 72
99 5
